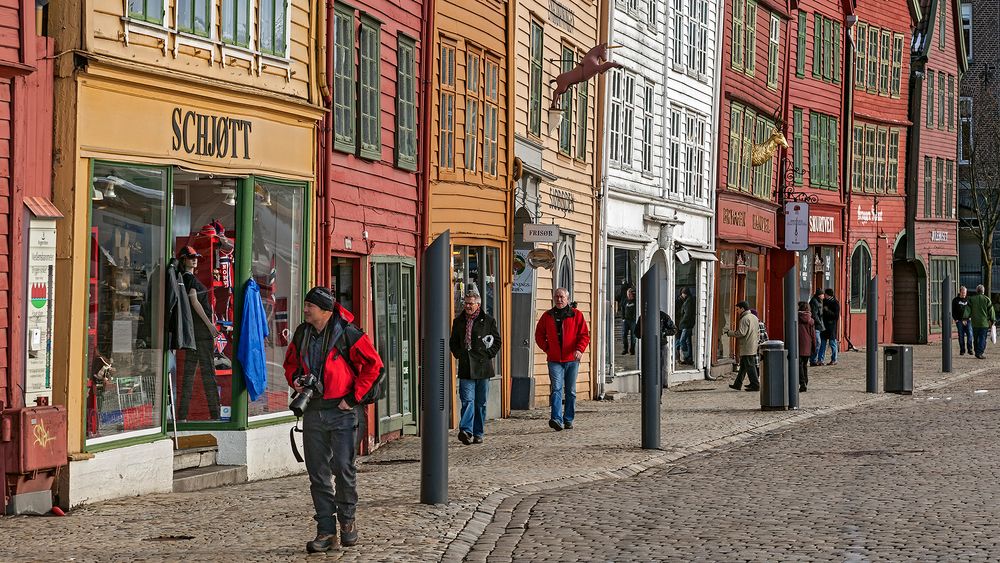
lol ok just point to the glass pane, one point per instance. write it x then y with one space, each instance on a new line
390 355
266 25
382 331
183 14
205 220
626 277
459 265
243 22
228 17
276 265
724 311
202 17
154 11
406 359
126 319
342 282
491 296
280 45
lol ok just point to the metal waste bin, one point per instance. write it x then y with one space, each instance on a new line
898 369
773 376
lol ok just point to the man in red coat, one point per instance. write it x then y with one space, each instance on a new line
563 335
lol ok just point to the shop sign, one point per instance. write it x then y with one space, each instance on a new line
40 309
562 16
210 135
536 232
796 226
939 236
821 224
523 278
740 222
869 215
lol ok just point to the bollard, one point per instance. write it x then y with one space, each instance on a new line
773 378
946 323
792 334
435 359
650 355
871 344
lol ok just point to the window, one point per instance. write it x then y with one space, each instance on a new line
273 35
394 335
491 118
861 272
151 11
446 117
406 105
873 62
647 129
967 29
566 105
651 9
690 36
938 187
344 87
823 150
687 148
473 73
628 121
941 95
859 158
236 23
797 148
698 28
965 130
746 166
928 187
762 174
694 157
884 62
772 53
930 98
892 182
882 163
735 146
616 110
370 91
949 189
738 53
942 21
897 64
744 56
677 36
535 80
674 152
193 16
835 53
750 23
800 53
951 102
859 55
870 159
940 269
582 111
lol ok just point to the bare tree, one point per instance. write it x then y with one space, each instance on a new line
983 173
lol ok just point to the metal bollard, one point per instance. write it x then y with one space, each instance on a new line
871 343
946 323
435 400
650 375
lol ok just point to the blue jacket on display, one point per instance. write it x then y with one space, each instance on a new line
253 331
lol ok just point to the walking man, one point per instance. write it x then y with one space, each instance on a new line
747 335
628 318
962 314
685 322
330 421
982 316
831 318
816 309
475 341
563 335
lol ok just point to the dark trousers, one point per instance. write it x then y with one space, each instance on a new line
748 367
628 336
803 371
964 335
202 357
328 437
981 340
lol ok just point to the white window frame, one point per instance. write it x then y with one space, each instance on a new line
616 108
628 120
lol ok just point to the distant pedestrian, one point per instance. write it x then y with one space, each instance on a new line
563 335
475 341
747 335
982 317
807 343
962 315
831 318
628 317
762 336
685 322
667 329
816 309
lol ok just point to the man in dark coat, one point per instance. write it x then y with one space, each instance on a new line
629 306
474 342
831 318
685 322
816 310
961 313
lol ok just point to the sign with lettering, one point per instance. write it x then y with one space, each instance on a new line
939 236
869 215
210 135
796 226
562 16
523 275
40 313
746 223
821 224
534 232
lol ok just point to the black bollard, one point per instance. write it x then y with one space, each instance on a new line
871 345
435 400
792 334
650 376
946 325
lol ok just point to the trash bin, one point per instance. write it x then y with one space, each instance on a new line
898 369
773 376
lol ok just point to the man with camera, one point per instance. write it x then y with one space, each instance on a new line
330 385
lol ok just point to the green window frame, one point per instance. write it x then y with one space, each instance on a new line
394 332
882 159
797 143
873 62
827 46
370 88
737 53
892 182
951 102
942 23
939 187
582 111
929 103
236 16
762 175
800 53
344 80
537 49
885 60
941 99
858 163
406 103
773 52
735 144
491 116
949 189
194 16
835 53
940 268
928 186
446 108
567 62
151 11
817 45
871 185
897 65
860 55
273 32
815 177
750 25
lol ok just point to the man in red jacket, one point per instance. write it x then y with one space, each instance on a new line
330 421
562 333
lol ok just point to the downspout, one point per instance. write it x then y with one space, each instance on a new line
423 174
323 62
601 170
325 177
846 156
511 30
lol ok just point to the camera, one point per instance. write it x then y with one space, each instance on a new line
310 386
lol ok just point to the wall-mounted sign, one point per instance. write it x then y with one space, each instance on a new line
535 232
869 215
210 135
796 226
562 16
743 222
523 274
821 224
939 236
40 310
561 200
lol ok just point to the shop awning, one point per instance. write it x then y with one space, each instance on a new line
698 254
42 208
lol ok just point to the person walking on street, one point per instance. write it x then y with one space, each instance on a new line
982 317
330 420
807 343
962 314
474 342
747 335
816 309
685 322
563 335
628 322
831 318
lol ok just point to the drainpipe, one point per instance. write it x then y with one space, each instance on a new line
601 165
846 156
427 44
324 246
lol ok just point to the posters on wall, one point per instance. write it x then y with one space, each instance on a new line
523 278
40 309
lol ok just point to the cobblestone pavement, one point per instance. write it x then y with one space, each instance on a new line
271 520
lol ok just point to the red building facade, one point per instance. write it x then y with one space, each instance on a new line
369 202
754 73
878 91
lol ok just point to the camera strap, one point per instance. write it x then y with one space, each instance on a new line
291 438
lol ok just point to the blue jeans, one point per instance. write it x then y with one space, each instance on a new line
964 335
473 393
814 357
834 346
562 377
684 344
981 334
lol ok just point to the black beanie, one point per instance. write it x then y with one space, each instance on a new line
321 297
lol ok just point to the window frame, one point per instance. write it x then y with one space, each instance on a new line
773 52
251 28
536 59
567 61
648 137
860 291
928 187
929 102
797 146
800 52
860 57
144 16
369 86
491 116
285 17
895 85
447 90
209 5
472 93
582 117
406 103
347 77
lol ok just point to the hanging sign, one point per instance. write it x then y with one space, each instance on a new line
523 278
796 226
535 232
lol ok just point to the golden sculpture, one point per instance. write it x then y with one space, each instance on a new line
765 152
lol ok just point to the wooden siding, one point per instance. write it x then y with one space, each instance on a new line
10 31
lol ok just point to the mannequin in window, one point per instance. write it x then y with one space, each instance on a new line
204 336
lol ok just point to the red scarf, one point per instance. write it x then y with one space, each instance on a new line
468 328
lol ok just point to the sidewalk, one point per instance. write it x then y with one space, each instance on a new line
271 520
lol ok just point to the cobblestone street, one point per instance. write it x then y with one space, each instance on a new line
848 477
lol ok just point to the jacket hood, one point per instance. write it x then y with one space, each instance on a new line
344 313
804 316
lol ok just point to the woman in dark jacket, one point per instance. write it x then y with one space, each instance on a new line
475 341
807 343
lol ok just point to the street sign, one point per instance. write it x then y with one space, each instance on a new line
535 232
796 226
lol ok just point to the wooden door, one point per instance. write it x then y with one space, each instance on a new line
906 303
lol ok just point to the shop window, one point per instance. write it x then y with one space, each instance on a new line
394 339
343 79
151 11
194 16
566 104
941 268
625 265
475 269
126 320
273 32
406 105
861 272
236 22
369 89
535 79
725 304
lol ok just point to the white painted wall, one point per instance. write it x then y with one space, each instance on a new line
123 472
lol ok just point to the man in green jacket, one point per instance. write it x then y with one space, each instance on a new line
983 317
747 335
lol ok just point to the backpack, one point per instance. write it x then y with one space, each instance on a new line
349 336
667 327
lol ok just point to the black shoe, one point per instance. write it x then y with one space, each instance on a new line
322 543
477 440
568 426
748 388
555 425
802 389
734 387
980 357
464 437
625 353
348 534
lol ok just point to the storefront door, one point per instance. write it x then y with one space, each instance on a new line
623 287
475 269
394 339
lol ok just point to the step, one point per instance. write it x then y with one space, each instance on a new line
199 478
194 457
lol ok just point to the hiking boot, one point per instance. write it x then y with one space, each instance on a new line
464 437
568 426
348 533
555 425
749 388
322 543
477 440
